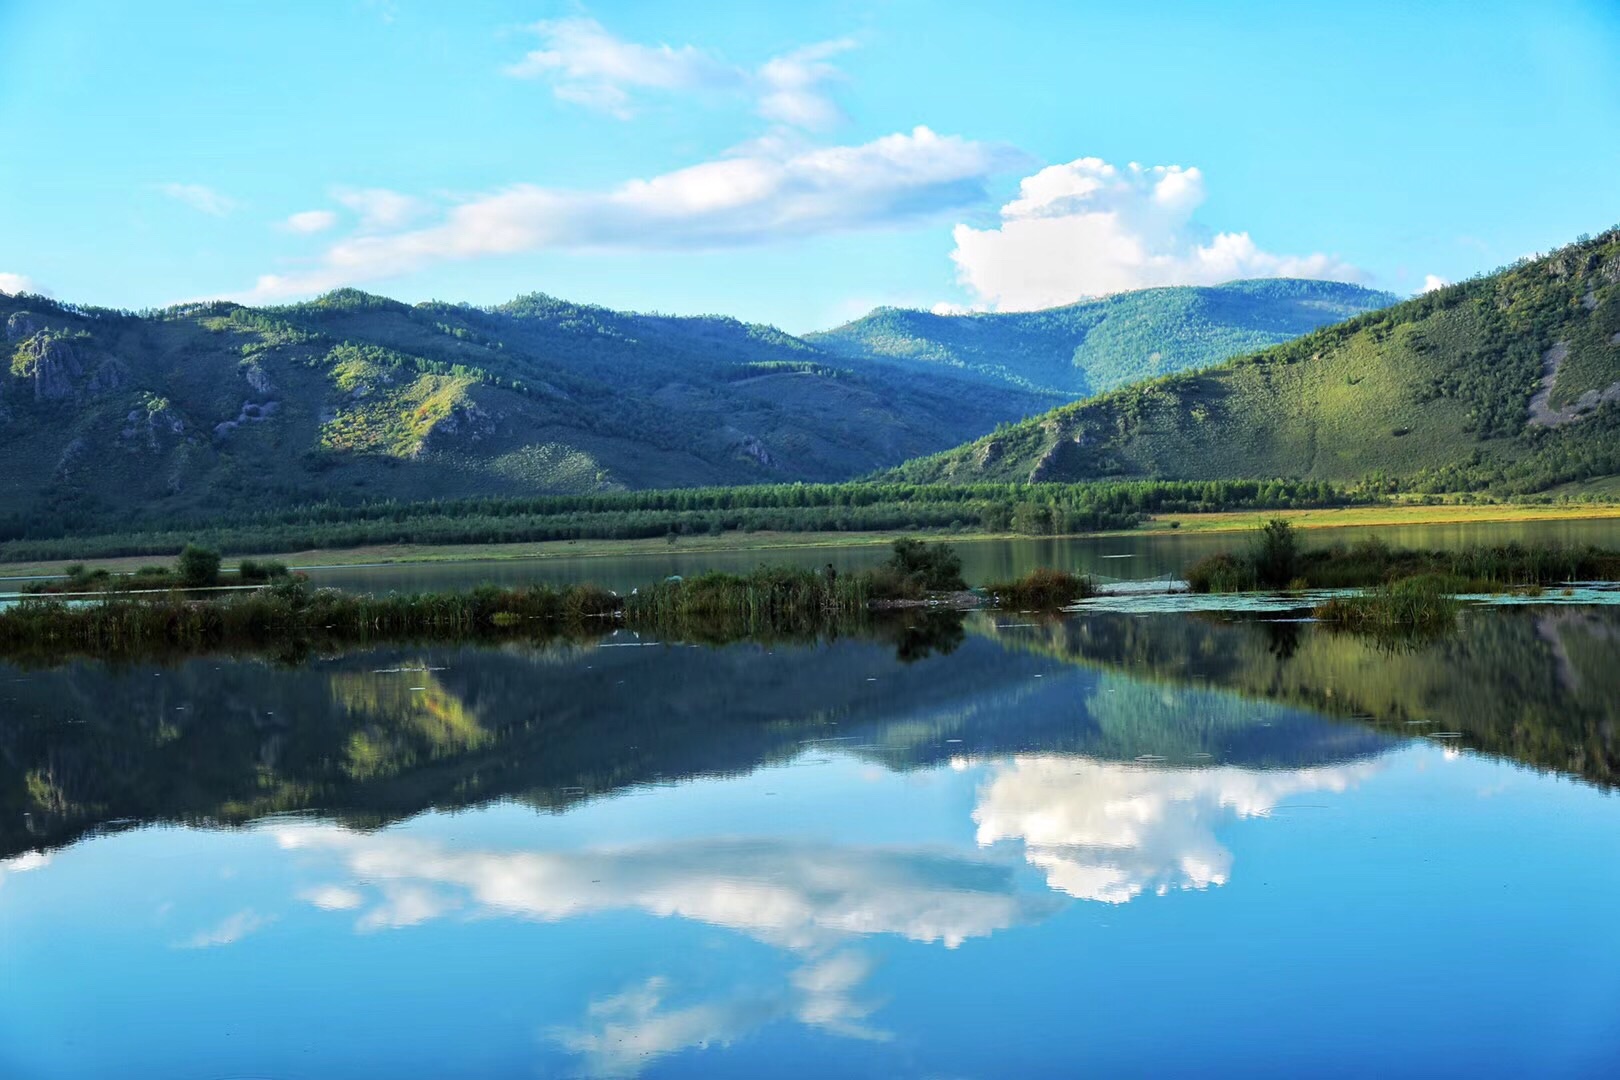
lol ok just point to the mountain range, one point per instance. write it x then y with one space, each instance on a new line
1097 345
108 417
1504 382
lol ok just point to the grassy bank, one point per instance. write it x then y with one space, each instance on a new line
1384 514
766 541
768 600
1275 558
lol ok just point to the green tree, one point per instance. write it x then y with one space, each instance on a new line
198 566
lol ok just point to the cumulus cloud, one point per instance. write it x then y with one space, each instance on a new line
772 192
310 221
18 284
1089 228
200 197
1432 282
588 65
1108 832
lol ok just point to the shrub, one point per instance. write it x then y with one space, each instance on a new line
1220 574
931 567
257 572
198 567
1275 553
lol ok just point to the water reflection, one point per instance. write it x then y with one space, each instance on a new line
799 860
1109 832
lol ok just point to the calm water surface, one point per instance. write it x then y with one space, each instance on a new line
1107 845
1123 557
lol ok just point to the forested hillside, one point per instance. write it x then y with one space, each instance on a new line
1505 383
1098 345
111 418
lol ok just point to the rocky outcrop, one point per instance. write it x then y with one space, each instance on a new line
252 412
109 376
22 324
746 446
258 378
51 363
146 427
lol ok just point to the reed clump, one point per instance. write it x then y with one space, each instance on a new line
1422 604
1042 589
287 610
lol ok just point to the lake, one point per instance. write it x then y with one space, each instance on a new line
969 846
1124 557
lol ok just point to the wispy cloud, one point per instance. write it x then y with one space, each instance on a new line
231 930
586 64
1089 228
775 190
200 197
380 208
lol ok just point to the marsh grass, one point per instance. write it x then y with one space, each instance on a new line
1042 589
1372 562
1415 605
770 600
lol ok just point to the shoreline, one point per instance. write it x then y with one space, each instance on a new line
1225 521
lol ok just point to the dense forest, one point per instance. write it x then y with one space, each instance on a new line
1029 509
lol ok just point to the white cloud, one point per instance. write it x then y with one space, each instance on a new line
200 197
796 896
380 208
1108 832
625 1033
333 898
310 221
22 864
233 929
587 65
17 284
1089 228
791 87
1432 282
771 193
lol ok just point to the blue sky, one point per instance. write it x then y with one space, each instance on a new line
795 164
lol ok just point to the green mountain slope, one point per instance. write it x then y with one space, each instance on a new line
1098 345
110 417
1506 382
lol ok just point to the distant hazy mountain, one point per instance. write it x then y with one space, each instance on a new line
1508 382
1096 345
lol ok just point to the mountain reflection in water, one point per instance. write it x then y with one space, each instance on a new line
805 859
